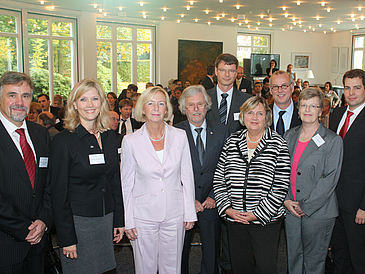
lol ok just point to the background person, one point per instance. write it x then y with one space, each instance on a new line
113 102
311 204
34 111
331 95
289 70
158 186
250 184
85 183
47 120
271 70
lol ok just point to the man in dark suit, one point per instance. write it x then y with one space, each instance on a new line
206 139
348 240
127 124
207 81
241 83
284 112
226 100
43 99
24 194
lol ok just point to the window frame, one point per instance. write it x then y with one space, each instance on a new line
252 47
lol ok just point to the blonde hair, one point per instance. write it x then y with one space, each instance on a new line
146 96
253 102
72 119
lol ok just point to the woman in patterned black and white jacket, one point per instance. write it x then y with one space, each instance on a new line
250 185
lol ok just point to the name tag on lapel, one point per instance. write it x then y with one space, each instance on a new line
236 116
43 161
318 140
96 159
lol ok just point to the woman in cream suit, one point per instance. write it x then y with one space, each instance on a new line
158 186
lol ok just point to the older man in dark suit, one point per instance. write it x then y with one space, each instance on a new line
348 241
25 207
206 139
241 83
208 81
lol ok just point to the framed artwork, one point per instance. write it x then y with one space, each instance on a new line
194 58
334 60
344 55
301 61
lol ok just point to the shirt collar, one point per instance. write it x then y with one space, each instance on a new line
9 126
289 109
219 92
357 110
204 126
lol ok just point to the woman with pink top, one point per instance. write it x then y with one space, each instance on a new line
311 204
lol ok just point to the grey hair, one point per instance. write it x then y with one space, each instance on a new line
15 78
192 91
281 72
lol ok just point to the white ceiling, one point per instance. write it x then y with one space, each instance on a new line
300 17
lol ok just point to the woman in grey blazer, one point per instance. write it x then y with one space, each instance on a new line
311 204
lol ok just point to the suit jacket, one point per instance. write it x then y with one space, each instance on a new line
80 187
217 134
238 98
245 84
317 173
295 121
351 185
207 83
59 122
135 124
154 191
21 204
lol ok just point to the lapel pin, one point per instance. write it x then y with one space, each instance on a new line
91 146
211 133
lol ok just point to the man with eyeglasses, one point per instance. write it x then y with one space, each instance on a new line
241 83
206 139
284 111
226 100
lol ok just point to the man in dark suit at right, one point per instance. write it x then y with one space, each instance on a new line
284 112
241 83
206 139
25 206
348 240
207 81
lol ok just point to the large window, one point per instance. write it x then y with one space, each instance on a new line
125 55
251 43
358 52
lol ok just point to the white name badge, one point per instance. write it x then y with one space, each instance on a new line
318 140
236 116
243 90
43 161
119 150
96 159
58 120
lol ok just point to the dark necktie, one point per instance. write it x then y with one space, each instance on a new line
123 130
200 145
28 156
223 108
280 125
345 126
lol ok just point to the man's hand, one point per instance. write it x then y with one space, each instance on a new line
209 203
36 232
360 217
198 206
70 252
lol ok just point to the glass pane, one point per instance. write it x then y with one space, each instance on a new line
243 52
359 42
62 67
61 28
37 26
358 59
103 31
143 63
244 40
260 50
144 35
260 41
104 65
124 65
38 65
8 54
124 33
7 23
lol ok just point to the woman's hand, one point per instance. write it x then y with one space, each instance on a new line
131 233
118 234
70 252
292 206
188 225
237 216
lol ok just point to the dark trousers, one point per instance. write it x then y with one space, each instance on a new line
253 248
31 265
209 236
348 244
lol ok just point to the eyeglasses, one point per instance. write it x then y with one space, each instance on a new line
192 106
227 70
283 87
311 107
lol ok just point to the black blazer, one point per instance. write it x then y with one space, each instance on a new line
217 134
273 71
351 185
295 121
80 188
238 98
207 83
20 203
245 84
135 124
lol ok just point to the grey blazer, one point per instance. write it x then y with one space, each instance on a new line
317 174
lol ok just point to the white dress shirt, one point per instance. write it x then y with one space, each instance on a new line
229 99
287 116
203 133
356 112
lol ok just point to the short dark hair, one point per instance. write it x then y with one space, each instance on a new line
132 87
227 58
210 70
266 80
273 60
15 78
175 81
47 121
257 83
124 103
179 89
354 73
43 94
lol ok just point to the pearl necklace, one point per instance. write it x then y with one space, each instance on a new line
163 135
248 138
